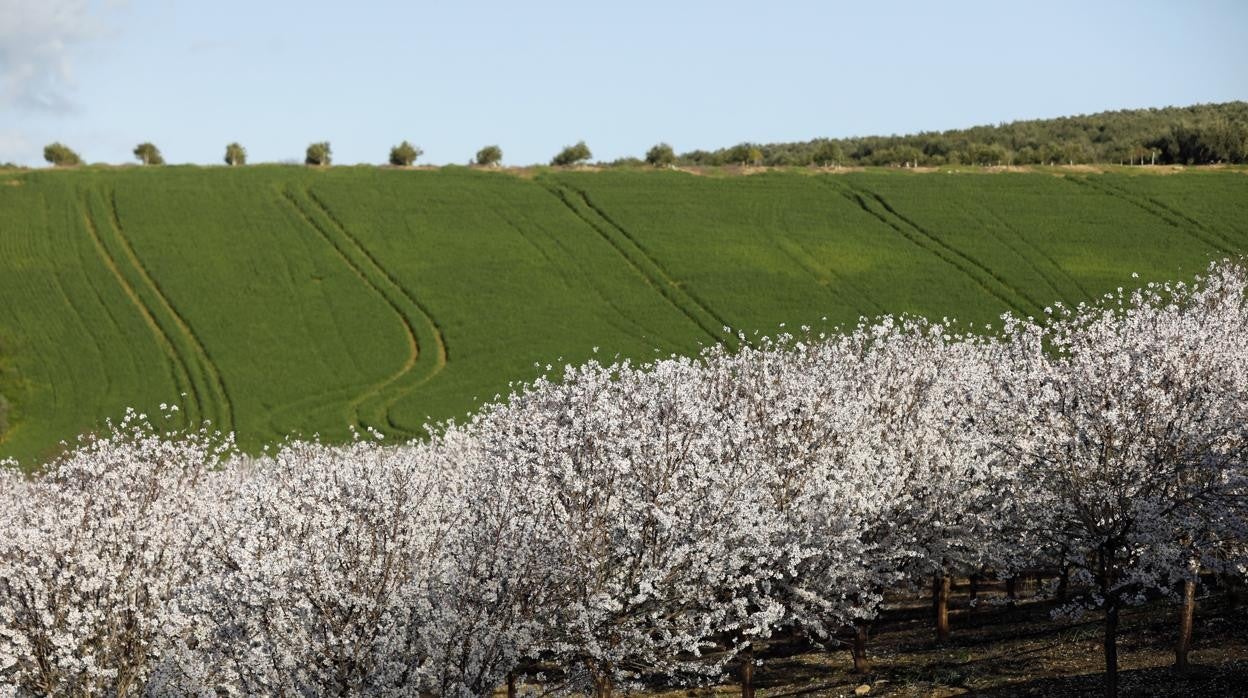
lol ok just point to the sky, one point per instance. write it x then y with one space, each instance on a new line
532 77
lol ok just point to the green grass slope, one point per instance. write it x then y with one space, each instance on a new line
283 300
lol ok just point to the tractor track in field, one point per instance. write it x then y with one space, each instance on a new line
806 261
443 355
626 324
1024 243
658 278
926 240
202 357
1176 220
179 369
1175 212
374 402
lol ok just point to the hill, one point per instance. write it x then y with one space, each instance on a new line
280 300
1197 134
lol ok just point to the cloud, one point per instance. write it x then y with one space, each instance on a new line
38 40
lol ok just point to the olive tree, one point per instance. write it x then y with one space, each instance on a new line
148 154
660 155
572 155
489 156
404 154
60 155
318 154
235 154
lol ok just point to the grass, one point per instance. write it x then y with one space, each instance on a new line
285 300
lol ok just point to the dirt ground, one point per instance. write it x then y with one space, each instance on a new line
1001 650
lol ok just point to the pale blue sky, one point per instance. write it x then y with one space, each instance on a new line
534 76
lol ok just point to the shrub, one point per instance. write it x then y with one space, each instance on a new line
490 155
572 155
661 155
404 154
318 154
148 154
60 155
235 154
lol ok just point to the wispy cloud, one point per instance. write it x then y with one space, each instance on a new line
38 40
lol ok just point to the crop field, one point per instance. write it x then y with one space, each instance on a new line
276 301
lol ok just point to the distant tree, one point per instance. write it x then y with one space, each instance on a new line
148 154
235 154
737 155
404 154
754 156
573 154
318 154
60 155
828 153
490 156
661 155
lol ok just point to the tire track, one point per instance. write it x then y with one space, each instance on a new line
423 375
626 324
1192 227
215 388
807 262
933 245
656 278
1172 211
179 371
1039 251
374 405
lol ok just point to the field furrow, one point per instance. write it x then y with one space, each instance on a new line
932 244
183 376
1163 213
373 406
637 260
210 387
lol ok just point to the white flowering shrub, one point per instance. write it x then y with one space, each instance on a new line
630 523
92 555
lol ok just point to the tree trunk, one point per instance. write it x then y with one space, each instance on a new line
974 582
747 672
602 679
859 649
1185 625
1063 583
1011 589
941 584
511 684
1111 648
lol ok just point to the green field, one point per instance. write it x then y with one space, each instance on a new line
283 300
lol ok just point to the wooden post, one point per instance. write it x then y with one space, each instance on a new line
1186 616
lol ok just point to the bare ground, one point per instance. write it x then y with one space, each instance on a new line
1001 650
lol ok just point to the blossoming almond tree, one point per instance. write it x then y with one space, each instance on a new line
1131 427
92 553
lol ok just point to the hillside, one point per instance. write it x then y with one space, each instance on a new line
281 300
1196 134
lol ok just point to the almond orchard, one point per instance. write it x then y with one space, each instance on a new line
625 526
